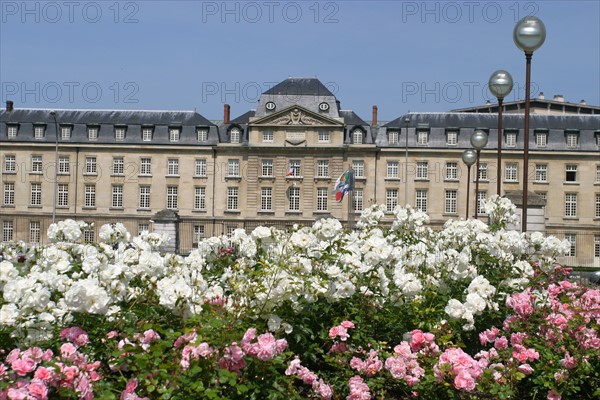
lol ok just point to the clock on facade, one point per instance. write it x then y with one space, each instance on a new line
324 106
270 106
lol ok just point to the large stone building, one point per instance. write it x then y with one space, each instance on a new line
277 165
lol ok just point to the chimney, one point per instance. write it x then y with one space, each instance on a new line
582 103
541 96
559 97
9 105
226 113
374 119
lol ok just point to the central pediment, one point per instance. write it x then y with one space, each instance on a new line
295 116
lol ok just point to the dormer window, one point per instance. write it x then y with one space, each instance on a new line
511 139
147 132
202 134
541 138
234 135
598 139
393 137
92 132
451 138
572 139
423 137
357 136
174 133
65 132
11 131
120 133
39 131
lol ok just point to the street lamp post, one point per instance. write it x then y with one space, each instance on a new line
478 140
500 84
406 122
53 114
529 35
468 157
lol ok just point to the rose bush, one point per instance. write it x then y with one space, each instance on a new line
467 311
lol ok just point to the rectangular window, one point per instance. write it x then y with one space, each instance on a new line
202 134
571 205
89 236
295 170
421 200
143 228
90 196
422 170
120 133
147 134
481 198
234 135
571 173
36 194
323 136
232 198
172 197
544 196
267 135
92 132
145 166
266 199
39 131
541 172
35 232
174 134
598 173
90 166
9 194
511 172
267 167
7 231
10 163
357 198
117 196
294 198
391 199
393 137
451 171
118 166
63 165
63 195
450 206
572 239
198 233
322 168
483 171
357 136
200 198
451 138
233 168
572 140
322 194
200 169
511 139
11 131
541 139
392 169
422 138
172 167
36 164
144 196
358 166
597 208
596 245
65 132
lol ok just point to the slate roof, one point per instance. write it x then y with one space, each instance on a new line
107 120
300 87
588 126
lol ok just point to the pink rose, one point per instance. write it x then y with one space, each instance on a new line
23 366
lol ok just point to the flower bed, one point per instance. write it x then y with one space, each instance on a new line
470 311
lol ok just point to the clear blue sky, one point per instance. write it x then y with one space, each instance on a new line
185 55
